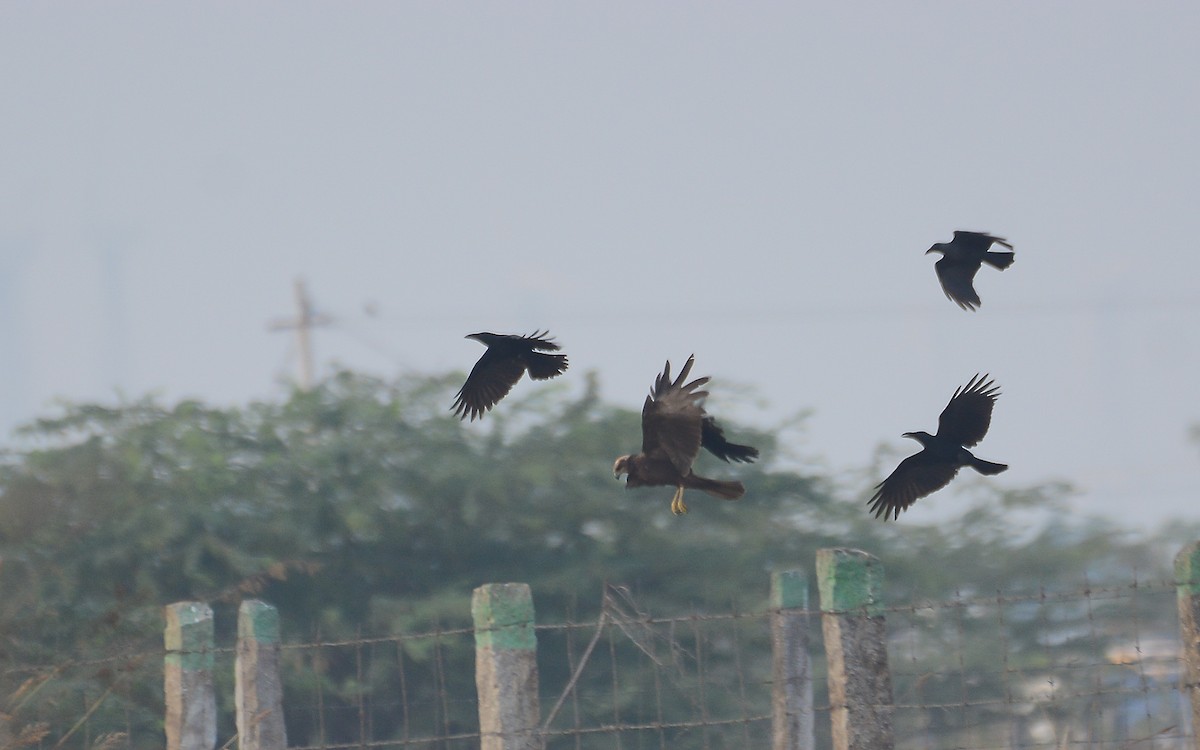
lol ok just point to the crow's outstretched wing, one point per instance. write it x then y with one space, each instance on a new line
492 377
541 366
915 477
966 419
672 417
712 439
536 340
978 242
957 276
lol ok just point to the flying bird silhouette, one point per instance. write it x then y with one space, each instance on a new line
961 258
507 358
962 424
674 429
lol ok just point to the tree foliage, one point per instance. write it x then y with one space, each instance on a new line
364 506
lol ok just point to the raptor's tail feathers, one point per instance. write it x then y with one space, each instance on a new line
726 490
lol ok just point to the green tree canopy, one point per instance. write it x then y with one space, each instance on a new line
364 504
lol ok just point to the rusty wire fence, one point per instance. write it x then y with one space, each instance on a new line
1094 667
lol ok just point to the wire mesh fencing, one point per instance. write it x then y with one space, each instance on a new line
406 691
1095 667
104 702
632 680
1098 666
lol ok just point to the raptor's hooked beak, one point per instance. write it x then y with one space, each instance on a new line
619 467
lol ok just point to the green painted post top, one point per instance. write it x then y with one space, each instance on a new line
258 621
1187 570
789 589
849 580
188 636
503 615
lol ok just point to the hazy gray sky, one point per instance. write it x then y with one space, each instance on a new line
752 182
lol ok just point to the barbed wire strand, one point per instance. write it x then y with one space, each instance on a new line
577 671
659 715
358 696
404 717
616 692
739 670
960 649
319 662
1059 612
440 682
1094 642
1096 593
1005 650
572 664
1143 682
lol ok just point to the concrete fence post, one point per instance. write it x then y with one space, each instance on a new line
1187 590
852 621
258 692
791 689
506 676
191 702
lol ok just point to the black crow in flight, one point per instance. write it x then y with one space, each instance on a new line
674 429
501 366
962 424
961 258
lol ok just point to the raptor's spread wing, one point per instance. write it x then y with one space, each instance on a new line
966 419
672 418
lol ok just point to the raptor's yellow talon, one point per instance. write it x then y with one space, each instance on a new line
678 507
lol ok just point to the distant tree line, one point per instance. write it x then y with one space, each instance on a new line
365 506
